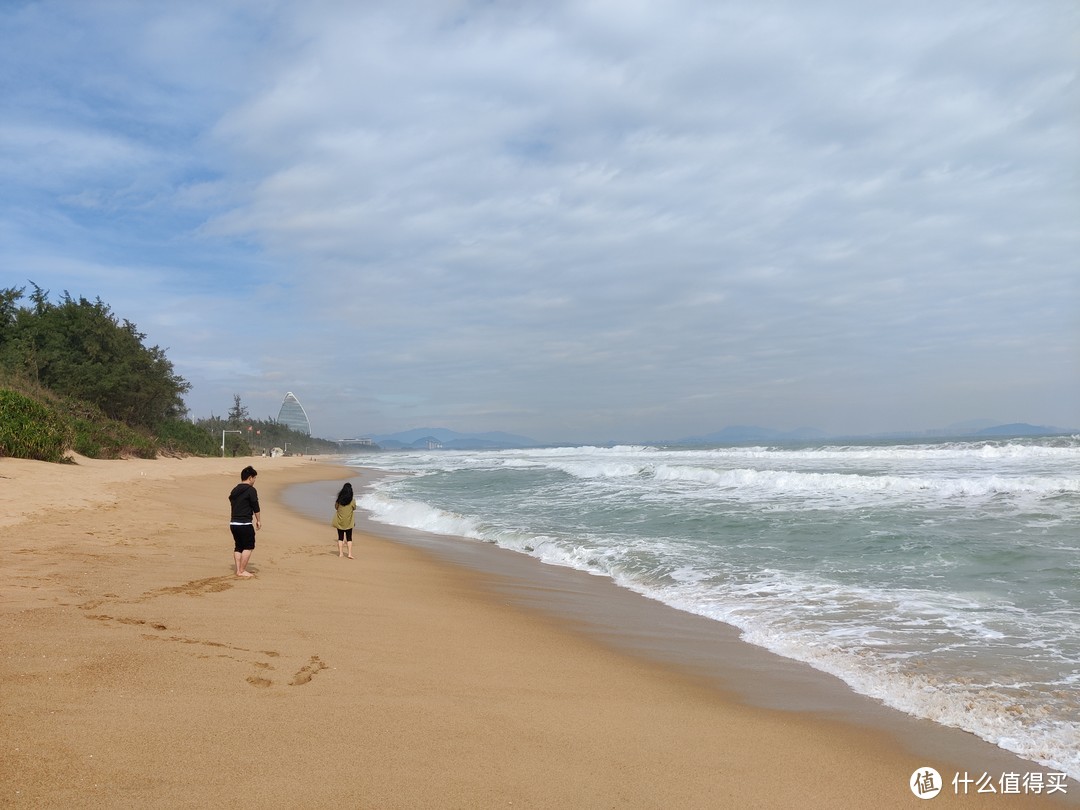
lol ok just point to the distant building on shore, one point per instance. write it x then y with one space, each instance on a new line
358 444
293 415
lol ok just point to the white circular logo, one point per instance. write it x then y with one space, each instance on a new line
925 783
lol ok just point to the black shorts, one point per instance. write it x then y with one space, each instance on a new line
343 535
243 537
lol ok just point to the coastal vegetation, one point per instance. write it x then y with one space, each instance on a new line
242 435
76 378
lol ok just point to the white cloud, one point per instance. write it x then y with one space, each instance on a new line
629 218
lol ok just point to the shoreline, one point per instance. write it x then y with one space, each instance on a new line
695 646
140 670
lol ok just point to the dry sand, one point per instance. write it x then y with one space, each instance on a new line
137 671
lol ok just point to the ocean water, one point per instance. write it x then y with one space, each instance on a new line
940 578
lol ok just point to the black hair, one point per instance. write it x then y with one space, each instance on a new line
345 497
247 472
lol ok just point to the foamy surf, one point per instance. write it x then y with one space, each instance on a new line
937 578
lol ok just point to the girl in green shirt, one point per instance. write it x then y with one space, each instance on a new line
344 518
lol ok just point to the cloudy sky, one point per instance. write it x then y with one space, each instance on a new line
579 221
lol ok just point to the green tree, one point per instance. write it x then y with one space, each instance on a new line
80 349
9 297
238 412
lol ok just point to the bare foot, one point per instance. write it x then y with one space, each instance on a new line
340 554
245 574
350 556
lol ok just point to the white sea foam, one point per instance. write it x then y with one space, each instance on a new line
853 488
418 515
894 453
599 469
938 578
1023 724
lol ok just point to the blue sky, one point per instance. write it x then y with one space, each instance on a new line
579 221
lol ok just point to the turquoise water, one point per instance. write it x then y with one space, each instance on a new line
941 578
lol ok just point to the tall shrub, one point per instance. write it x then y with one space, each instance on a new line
30 430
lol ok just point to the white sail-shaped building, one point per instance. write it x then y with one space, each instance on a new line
293 415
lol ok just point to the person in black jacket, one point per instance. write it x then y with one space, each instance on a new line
245 519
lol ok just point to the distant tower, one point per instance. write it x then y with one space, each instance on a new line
293 415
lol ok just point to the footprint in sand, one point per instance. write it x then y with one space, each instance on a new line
196 587
261 683
125 620
308 671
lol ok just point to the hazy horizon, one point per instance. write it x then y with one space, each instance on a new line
966 429
583 221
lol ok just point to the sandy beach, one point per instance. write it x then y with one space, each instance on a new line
138 671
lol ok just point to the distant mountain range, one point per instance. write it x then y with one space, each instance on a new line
444 439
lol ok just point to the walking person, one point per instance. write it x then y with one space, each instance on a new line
344 518
245 520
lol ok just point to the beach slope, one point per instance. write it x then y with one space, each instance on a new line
138 671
